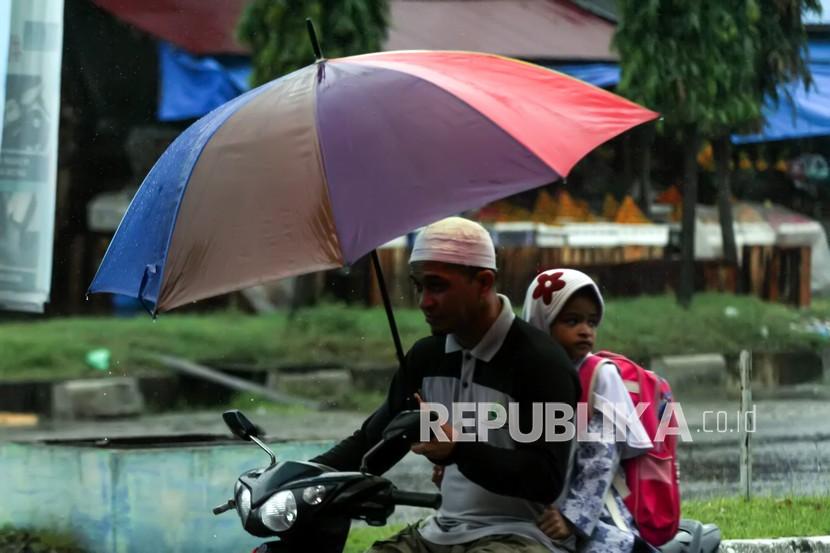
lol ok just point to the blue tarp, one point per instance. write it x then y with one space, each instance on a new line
800 113
191 86
806 114
604 75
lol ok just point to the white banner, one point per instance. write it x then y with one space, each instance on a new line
29 153
5 30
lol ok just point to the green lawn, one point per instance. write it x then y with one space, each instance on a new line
15 540
764 517
759 518
638 327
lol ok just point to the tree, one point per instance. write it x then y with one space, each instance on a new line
275 30
781 58
706 67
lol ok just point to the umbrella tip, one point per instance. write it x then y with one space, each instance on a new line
312 35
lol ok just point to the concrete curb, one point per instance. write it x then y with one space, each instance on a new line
780 545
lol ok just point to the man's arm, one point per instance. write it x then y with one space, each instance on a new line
535 471
348 454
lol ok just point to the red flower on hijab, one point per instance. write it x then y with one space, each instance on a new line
548 284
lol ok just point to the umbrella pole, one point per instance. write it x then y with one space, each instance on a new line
312 36
388 305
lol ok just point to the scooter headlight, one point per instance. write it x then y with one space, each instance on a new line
314 495
243 502
280 511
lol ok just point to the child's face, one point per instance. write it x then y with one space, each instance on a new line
576 326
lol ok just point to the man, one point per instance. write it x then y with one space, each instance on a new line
480 351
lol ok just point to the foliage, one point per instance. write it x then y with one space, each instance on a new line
692 61
783 52
276 32
18 540
709 65
762 517
638 327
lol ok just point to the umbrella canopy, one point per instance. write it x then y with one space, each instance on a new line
315 169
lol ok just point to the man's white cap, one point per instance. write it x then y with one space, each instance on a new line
455 240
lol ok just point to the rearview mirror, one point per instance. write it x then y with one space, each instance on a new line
240 425
406 425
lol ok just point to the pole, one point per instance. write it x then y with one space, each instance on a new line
387 304
312 35
746 414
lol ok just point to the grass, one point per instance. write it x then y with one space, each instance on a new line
360 539
763 517
639 327
715 323
21 540
354 400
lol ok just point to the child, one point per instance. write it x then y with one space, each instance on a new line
568 305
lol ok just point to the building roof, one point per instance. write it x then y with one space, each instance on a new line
527 29
607 9
198 26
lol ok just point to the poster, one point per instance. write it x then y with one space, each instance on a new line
29 152
5 29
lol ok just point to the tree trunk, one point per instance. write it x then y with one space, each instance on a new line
628 165
645 138
721 149
685 290
304 293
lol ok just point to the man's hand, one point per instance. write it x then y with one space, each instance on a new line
437 475
554 524
436 450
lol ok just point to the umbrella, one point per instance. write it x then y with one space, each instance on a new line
314 170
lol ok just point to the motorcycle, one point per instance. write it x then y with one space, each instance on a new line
308 506
694 537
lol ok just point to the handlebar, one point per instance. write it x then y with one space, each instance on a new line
416 499
231 504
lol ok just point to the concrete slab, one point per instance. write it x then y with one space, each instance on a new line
782 545
97 398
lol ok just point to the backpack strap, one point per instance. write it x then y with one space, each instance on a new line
620 485
611 504
614 511
588 371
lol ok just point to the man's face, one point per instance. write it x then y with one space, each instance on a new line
450 296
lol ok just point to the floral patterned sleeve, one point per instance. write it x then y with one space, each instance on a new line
595 465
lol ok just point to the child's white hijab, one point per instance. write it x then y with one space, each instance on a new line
546 296
550 291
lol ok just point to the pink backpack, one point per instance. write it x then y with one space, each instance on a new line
653 496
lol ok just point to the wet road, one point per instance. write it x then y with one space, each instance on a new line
790 445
